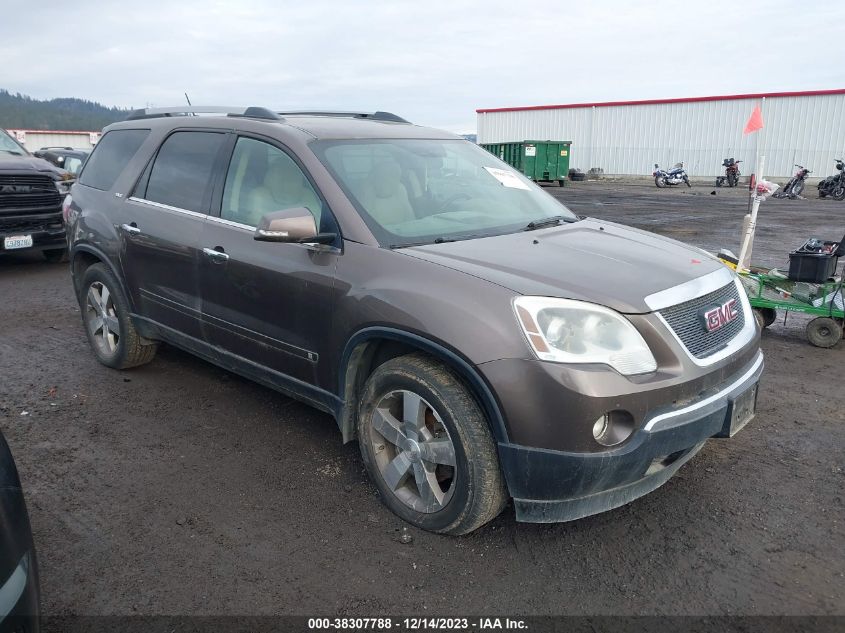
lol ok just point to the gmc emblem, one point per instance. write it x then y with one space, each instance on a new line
715 317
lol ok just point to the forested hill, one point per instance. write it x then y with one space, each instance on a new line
18 111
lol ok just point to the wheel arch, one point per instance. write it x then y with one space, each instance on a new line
83 256
372 346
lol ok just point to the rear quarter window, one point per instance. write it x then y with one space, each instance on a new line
110 157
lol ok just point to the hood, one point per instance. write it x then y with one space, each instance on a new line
601 262
10 162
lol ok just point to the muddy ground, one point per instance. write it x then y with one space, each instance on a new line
178 488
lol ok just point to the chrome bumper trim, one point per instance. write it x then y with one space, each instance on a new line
709 400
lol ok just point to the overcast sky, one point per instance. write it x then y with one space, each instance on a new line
432 62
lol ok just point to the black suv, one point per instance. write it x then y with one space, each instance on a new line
68 158
478 339
31 194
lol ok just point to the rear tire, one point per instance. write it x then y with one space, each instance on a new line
659 182
105 315
824 332
427 447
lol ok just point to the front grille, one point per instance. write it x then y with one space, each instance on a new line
25 225
686 321
28 192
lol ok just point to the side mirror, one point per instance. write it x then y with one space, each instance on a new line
295 225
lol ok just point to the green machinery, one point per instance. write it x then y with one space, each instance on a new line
770 291
541 161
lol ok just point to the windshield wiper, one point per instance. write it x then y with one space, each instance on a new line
437 240
11 151
551 221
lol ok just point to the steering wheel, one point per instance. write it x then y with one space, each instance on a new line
452 200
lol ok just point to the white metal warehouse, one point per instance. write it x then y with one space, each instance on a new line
36 139
628 137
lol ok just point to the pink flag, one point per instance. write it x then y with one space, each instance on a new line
755 122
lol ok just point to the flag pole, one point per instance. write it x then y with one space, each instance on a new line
749 224
744 262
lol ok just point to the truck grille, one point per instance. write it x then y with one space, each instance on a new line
28 192
686 321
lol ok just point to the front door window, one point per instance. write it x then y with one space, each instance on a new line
261 179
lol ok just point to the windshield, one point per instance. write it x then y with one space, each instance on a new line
9 146
73 164
418 191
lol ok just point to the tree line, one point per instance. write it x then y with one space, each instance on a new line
19 111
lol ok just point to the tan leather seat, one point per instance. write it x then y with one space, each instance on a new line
284 187
385 197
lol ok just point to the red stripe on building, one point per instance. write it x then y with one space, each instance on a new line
17 129
604 104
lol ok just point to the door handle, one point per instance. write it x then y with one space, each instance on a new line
217 256
132 229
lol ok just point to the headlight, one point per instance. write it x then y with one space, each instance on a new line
567 331
63 185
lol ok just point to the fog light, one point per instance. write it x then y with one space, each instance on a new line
600 427
613 428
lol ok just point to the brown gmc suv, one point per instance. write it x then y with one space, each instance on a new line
479 340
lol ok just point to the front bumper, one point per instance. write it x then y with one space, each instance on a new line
46 229
551 485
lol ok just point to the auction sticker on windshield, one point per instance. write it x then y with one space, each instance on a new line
507 178
17 241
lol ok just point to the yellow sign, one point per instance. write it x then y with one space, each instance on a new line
563 152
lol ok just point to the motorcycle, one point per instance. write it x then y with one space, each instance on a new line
834 186
674 176
795 185
732 174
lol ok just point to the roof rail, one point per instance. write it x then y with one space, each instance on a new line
375 116
252 112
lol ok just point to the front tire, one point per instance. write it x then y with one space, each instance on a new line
838 193
797 189
427 447
732 180
105 315
765 317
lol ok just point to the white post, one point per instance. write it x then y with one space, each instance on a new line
748 239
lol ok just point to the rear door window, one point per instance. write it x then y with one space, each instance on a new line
181 173
110 157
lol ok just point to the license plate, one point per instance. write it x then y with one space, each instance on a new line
17 241
743 409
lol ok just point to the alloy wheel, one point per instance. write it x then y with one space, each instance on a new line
413 451
100 318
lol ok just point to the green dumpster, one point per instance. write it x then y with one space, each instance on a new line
544 161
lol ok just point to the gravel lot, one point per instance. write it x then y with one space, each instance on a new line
178 488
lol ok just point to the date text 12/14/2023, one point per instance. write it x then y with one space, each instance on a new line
416 624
